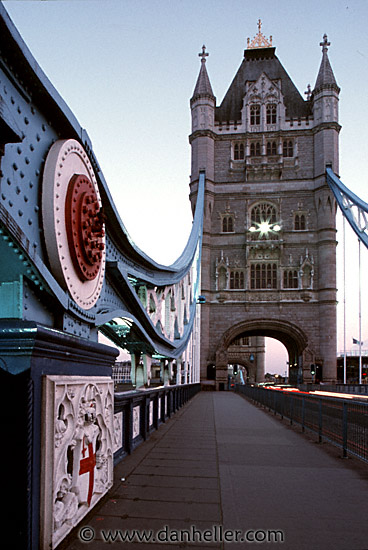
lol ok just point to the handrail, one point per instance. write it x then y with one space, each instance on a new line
340 421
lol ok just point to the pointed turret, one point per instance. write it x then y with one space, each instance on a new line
326 77
325 101
203 86
203 105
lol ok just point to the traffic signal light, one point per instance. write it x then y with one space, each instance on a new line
313 369
235 369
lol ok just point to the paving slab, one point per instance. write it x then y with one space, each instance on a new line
227 474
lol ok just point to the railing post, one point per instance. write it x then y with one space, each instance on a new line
320 421
345 429
291 409
303 414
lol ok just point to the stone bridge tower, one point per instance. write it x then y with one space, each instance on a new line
269 244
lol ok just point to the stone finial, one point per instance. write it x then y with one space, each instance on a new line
203 54
325 43
308 93
259 41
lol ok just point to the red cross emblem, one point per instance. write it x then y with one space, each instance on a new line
87 466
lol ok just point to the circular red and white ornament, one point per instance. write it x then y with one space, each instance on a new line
73 222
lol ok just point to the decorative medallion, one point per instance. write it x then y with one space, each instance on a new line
73 222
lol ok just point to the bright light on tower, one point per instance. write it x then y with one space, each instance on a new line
264 227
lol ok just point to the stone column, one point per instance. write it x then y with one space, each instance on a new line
30 353
178 371
137 374
147 361
260 359
221 370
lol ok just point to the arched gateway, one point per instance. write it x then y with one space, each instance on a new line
269 235
294 339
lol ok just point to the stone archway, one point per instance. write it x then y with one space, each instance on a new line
290 335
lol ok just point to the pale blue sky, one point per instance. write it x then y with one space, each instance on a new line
127 69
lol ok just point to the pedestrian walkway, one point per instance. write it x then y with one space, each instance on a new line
223 470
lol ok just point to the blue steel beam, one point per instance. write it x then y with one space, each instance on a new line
354 209
35 116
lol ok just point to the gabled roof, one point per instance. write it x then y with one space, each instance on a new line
256 62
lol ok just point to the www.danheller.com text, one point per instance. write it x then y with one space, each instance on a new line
217 533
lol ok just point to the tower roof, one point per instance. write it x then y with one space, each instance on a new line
203 85
326 77
258 60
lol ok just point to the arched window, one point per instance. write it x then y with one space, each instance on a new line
271 113
291 278
299 222
255 115
263 276
263 212
236 279
255 149
271 148
239 151
227 224
287 148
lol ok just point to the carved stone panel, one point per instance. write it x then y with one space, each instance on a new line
136 421
118 431
77 451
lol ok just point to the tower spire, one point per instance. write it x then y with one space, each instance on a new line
203 86
326 77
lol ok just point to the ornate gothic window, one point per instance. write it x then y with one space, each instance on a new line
299 222
228 224
291 278
271 148
236 279
255 115
263 222
263 212
255 149
271 113
239 151
288 148
263 276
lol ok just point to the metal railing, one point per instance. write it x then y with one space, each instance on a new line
142 412
341 422
339 388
